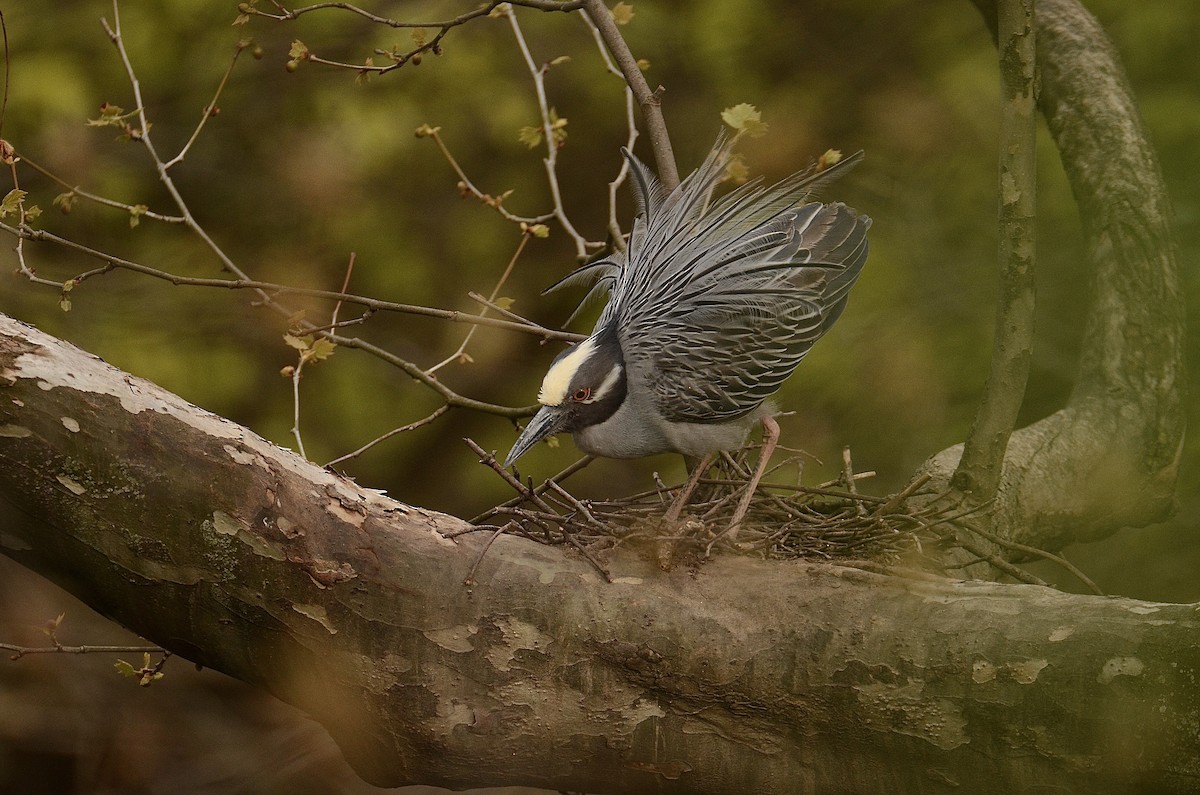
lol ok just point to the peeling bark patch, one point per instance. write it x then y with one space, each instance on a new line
1026 672
223 524
316 613
71 484
244 457
14 432
354 515
456 639
70 424
1120 666
451 713
288 527
517 635
982 672
1062 633
1142 610
325 573
906 710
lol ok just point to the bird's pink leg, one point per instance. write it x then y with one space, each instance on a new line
673 513
770 439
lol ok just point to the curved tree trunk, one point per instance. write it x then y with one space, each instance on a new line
1110 458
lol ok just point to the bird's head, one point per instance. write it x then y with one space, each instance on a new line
584 386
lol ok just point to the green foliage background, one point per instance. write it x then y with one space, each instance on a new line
300 169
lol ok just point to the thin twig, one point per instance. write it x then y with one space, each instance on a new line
495 202
551 160
595 563
210 109
650 101
470 578
615 233
21 651
412 426
462 348
1041 553
268 289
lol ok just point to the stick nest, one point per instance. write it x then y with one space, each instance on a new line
830 521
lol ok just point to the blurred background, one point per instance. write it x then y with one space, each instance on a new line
300 169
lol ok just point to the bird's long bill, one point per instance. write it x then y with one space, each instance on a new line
547 422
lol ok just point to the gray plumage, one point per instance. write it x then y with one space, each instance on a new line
710 308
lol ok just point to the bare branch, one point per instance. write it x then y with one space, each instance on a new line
465 183
210 109
538 73
269 289
400 59
650 101
412 426
21 651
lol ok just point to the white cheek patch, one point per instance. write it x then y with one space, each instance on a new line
606 385
558 379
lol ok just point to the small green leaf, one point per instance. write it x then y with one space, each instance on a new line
829 158
65 202
296 342
125 669
736 170
745 118
530 136
135 214
562 59
504 302
11 204
622 13
111 116
298 50
64 303
320 349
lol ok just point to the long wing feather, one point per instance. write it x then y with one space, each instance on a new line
720 301
717 302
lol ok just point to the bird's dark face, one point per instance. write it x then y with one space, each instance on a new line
584 386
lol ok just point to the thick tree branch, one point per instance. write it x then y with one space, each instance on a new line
1109 459
983 452
238 555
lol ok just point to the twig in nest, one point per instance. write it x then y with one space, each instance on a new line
470 578
1041 553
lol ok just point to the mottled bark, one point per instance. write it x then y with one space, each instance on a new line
743 676
1109 459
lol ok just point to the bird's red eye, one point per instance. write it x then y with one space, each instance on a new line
581 394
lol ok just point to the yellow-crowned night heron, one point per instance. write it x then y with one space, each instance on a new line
710 308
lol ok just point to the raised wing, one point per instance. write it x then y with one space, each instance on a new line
717 302
735 337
